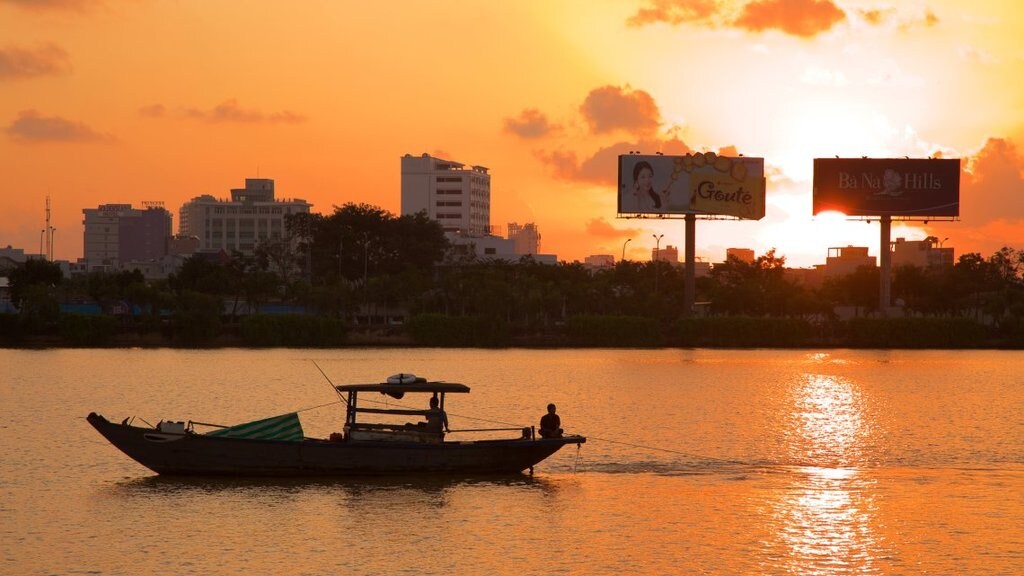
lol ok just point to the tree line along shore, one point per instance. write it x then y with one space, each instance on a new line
363 277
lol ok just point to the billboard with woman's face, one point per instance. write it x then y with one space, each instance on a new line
700 183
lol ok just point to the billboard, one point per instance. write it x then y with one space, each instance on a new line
887 186
699 183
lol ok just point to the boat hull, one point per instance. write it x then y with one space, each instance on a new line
201 455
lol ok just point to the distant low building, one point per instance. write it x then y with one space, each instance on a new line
927 253
742 254
526 237
182 245
11 258
843 261
599 261
810 278
701 269
667 254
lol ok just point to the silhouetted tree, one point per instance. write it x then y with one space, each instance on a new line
41 273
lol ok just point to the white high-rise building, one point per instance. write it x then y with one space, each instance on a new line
457 197
252 215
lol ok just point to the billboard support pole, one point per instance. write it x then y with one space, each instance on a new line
885 261
689 284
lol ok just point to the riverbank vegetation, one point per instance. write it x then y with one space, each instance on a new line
362 276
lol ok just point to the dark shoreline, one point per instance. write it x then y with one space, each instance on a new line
487 333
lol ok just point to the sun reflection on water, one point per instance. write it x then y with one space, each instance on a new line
827 425
824 519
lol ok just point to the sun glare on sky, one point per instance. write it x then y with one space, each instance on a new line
104 102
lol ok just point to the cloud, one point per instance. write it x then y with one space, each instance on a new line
991 201
892 17
53 5
600 228
531 124
612 108
21 63
602 166
674 12
877 16
229 111
153 111
30 126
992 186
803 18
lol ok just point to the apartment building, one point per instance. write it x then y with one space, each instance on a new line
253 214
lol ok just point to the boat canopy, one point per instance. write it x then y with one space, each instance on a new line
283 427
413 387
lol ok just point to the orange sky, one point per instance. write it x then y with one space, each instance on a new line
118 101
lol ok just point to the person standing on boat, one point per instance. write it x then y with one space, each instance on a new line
550 424
437 419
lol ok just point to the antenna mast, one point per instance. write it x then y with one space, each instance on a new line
49 246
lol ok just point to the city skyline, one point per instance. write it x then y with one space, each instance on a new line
104 102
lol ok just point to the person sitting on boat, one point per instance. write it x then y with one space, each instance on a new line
437 420
551 424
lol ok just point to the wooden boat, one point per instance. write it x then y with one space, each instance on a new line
277 447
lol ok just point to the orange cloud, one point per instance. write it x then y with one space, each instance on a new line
600 228
991 201
804 18
612 108
530 124
992 188
230 112
30 126
153 111
674 12
877 16
55 5
602 166
884 16
21 63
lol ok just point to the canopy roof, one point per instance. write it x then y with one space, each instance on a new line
426 387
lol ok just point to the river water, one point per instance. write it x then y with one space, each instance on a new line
698 462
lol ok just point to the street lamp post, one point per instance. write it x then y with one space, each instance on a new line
366 285
656 257
628 240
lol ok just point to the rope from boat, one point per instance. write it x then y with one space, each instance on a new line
669 450
320 406
331 382
590 437
696 456
296 411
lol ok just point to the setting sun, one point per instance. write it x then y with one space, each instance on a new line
108 102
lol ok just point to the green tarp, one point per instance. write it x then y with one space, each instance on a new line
283 427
